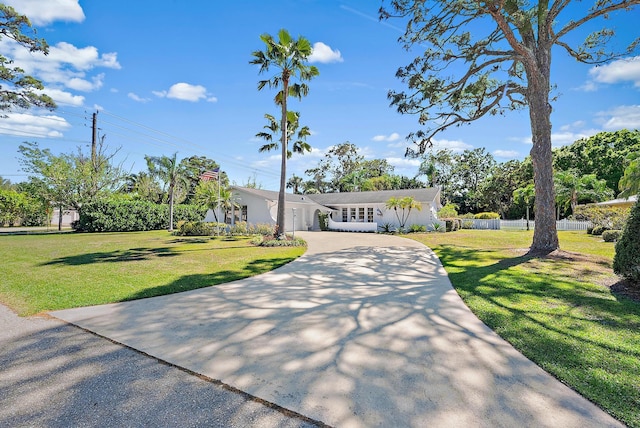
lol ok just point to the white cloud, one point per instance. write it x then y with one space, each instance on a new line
66 66
43 12
506 154
29 125
621 117
186 92
324 54
454 145
563 138
392 137
403 162
64 97
135 97
622 70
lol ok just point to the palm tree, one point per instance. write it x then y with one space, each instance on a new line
273 127
295 183
206 195
527 195
405 204
289 56
571 189
170 171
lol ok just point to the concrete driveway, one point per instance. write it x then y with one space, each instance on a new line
364 330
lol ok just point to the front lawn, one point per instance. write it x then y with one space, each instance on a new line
557 310
50 272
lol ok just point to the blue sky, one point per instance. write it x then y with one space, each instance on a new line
174 76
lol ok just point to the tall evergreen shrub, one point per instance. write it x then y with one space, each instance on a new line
626 262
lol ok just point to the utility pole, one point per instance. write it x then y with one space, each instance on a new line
94 141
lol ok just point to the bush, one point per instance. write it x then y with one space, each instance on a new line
323 220
120 215
448 211
611 235
598 230
415 228
607 217
437 227
467 224
387 227
487 216
196 228
626 261
263 241
452 224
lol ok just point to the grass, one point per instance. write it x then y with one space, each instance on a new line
50 272
557 310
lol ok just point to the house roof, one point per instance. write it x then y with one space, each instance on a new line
273 195
622 201
426 195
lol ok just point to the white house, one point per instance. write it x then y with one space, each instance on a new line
260 206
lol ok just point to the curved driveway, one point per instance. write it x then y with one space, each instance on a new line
363 330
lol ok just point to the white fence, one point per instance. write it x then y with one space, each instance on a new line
560 225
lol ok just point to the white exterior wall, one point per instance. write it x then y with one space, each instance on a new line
260 210
424 217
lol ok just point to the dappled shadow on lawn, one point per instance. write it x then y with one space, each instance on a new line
362 336
117 256
558 310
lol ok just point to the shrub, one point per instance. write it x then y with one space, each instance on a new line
608 217
415 228
323 220
626 261
448 211
119 215
263 241
487 216
195 228
611 235
452 224
467 224
437 227
387 227
598 230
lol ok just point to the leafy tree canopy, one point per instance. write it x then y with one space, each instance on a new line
17 89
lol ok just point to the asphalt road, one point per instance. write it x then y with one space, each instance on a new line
53 374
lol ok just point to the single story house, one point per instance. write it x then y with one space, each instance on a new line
261 206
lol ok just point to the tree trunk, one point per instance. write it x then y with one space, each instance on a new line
171 209
283 163
545 235
60 218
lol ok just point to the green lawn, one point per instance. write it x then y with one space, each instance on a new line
557 310
49 272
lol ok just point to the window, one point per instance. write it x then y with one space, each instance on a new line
243 215
361 214
370 214
345 214
353 214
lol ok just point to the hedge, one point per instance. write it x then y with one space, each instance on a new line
130 216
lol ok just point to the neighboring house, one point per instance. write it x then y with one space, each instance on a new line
622 202
260 206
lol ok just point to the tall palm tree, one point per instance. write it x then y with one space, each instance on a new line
170 171
290 57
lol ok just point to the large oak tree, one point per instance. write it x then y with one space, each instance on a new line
486 57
